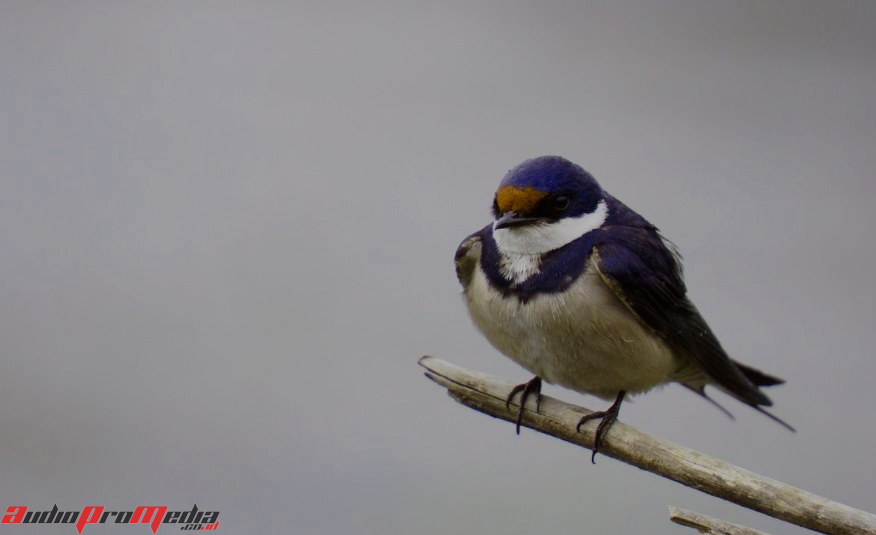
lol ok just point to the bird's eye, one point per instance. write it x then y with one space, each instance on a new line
561 202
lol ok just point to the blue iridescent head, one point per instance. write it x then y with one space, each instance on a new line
545 203
545 189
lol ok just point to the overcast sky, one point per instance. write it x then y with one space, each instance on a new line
227 234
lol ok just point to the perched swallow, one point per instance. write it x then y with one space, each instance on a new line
585 293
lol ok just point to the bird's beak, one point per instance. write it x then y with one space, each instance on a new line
511 219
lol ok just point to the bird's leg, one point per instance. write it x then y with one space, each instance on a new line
608 417
532 387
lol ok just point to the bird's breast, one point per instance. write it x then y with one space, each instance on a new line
582 338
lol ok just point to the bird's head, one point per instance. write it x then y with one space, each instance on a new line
545 203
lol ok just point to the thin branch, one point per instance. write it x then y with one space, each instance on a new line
707 524
626 443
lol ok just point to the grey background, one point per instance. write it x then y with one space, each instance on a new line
227 229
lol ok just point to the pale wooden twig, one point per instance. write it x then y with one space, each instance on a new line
628 444
707 524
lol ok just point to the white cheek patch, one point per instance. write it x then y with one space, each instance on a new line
540 238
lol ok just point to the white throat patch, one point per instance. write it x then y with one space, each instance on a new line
540 238
518 267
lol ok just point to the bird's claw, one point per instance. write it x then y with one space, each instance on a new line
608 417
531 387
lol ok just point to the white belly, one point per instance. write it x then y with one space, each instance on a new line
584 339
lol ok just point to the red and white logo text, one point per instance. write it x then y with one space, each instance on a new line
153 515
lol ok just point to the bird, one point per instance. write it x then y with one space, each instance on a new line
585 293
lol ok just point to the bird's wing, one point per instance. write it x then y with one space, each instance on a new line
651 286
467 256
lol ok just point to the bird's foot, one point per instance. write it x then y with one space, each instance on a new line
608 416
532 387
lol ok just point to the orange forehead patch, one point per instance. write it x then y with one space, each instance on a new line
518 200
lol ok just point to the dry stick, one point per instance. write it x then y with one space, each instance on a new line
707 524
626 443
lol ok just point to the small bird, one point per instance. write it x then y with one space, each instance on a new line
585 293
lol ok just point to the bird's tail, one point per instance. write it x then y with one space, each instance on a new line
757 377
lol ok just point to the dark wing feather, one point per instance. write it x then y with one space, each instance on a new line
758 377
466 259
647 277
